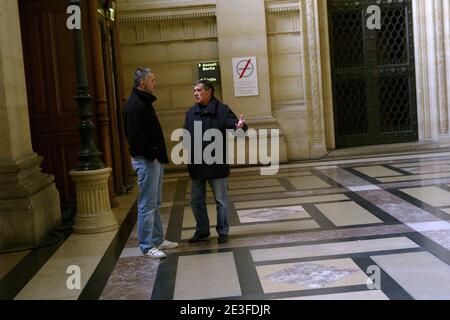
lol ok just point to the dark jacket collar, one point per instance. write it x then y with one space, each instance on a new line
147 97
210 108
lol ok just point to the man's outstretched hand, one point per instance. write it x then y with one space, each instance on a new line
241 122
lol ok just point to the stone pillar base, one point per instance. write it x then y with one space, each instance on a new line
444 141
94 214
29 204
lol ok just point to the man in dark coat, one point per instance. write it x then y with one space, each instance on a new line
149 155
209 113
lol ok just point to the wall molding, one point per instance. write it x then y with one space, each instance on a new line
164 16
148 11
282 6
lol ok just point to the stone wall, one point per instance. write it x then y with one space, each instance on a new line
290 41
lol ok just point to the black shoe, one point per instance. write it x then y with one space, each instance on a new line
199 237
223 238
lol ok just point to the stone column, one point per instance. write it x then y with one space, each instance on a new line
312 66
29 201
241 29
441 71
432 50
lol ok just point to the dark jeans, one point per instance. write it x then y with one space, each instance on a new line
198 205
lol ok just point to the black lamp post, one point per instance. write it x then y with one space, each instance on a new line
89 156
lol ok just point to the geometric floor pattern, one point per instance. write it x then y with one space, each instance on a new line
370 228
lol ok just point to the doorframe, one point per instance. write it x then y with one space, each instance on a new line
426 62
327 82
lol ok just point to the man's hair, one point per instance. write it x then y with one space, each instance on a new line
141 74
207 85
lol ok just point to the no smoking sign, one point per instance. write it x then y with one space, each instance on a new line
245 76
245 68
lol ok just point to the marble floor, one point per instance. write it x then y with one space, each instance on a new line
370 228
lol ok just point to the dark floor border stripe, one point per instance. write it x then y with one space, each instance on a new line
327 179
435 249
372 208
256 223
175 224
392 168
97 282
374 161
319 217
387 284
295 244
300 293
419 181
361 175
433 161
287 194
286 184
233 216
164 287
330 241
16 279
339 256
444 187
210 193
296 204
438 213
414 184
248 276
274 233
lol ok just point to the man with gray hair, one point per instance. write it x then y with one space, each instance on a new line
149 155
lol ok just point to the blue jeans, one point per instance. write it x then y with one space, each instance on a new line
150 178
198 205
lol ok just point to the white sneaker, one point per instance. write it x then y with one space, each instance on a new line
168 245
155 254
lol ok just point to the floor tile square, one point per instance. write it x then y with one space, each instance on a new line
347 213
433 196
308 182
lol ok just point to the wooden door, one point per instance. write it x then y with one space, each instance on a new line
50 75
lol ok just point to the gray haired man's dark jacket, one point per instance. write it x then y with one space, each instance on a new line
143 130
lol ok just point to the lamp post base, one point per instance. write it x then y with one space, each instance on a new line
94 214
